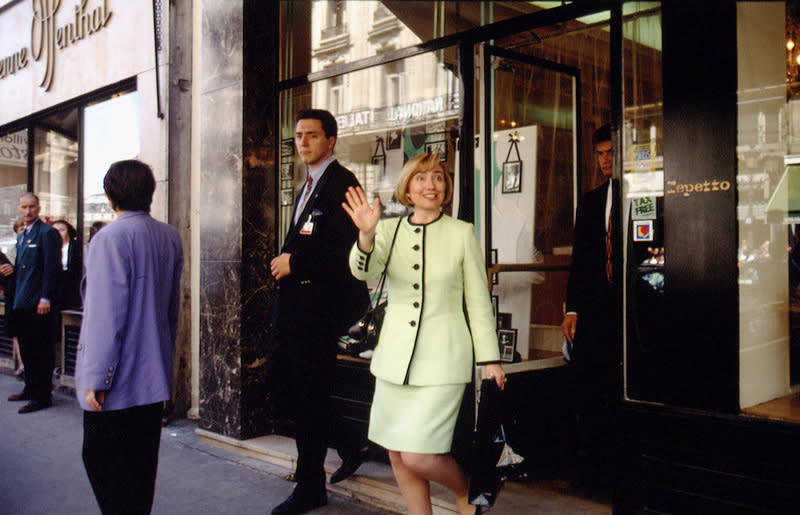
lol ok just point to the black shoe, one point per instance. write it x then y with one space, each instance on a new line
349 466
34 406
296 504
19 397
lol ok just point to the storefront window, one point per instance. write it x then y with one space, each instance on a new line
55 178
381 123
344 31
110 133
13 183
768 152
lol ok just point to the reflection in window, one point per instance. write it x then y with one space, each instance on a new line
377 133
643 201
56 174
111 133
768 184
337 32
13 183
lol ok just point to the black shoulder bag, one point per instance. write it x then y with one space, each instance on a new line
366 330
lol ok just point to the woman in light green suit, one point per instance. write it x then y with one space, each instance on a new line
424 355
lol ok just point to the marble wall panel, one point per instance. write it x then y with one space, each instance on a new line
237 219
220 349
222 36
259 244
221 175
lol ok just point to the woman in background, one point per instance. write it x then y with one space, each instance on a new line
19 368
71 266
424 356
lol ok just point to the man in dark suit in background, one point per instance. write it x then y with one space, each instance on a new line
318 300
34 285
592 321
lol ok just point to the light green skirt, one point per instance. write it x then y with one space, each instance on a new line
418 419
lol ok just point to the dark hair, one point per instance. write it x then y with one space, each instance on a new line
329 125
70 229
601 134
94 228
129 185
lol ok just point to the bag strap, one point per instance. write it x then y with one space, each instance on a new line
382 280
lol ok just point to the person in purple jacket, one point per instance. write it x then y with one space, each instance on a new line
124 364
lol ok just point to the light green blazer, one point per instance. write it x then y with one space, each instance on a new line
435 271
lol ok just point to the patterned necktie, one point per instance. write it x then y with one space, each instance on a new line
303 200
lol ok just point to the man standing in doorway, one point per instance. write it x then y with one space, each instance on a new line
34 285
123 370
318 300
592 320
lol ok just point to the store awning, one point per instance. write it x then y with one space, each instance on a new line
785 200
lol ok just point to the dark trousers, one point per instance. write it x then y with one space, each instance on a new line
308 363
120 453
596 379
35 334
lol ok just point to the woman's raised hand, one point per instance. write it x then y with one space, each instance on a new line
364 216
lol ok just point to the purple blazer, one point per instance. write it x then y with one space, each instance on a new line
130 294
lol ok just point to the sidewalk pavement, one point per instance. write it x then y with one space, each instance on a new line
41 469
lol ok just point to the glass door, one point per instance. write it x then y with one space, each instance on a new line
532 111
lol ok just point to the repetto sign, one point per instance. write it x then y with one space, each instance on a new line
686 189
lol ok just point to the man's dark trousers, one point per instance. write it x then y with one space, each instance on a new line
120 452
37 348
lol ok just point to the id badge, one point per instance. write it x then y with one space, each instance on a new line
308 227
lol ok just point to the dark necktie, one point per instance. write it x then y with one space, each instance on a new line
306 194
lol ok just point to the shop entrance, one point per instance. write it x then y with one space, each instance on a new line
510 111
531 116
543 91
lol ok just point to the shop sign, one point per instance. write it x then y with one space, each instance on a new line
687 189
355 119
415 110
14 149
395 115
644 208
47 38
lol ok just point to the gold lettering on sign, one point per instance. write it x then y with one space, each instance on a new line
43 35
46 37
687 189
14 62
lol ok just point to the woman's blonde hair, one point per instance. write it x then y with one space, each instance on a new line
420 163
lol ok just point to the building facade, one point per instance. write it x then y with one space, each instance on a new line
702 98
84 84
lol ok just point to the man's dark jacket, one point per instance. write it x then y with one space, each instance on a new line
320 293
588 292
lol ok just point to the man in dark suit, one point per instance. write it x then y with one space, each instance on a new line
318 300
592 321
34 285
